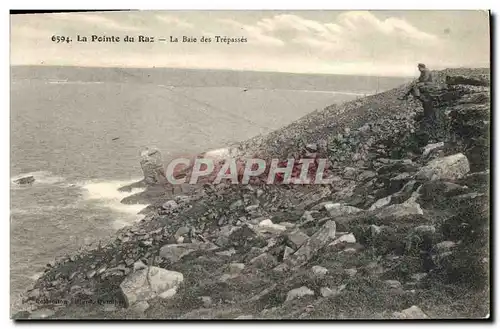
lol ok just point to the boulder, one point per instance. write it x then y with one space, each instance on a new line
25 180
152 166
452 167
174 252
149 283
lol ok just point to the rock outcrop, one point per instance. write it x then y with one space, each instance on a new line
25 180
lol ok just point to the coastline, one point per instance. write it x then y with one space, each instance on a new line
98 272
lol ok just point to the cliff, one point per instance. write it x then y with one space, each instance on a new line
402 232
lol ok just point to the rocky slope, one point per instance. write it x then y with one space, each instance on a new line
402 232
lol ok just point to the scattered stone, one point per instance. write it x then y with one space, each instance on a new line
319 270
452 167
327 292
375 230
147 283
236 204
206 300
444 246
381 203
346 238
252 208
181 231
287 225
297 238
298 293
175 252
244 317
170 205
321 238
308 215
467 80
227 253
337 209
351 271
419 276
312 147
366 175
287 252
109 308
425 230
400 211
140 307
264 260
267 224
413 312
350 173
139 265
393 284
236 268
21 315
152 165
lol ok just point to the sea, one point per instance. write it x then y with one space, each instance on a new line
79 131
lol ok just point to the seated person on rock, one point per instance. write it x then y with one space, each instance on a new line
417 87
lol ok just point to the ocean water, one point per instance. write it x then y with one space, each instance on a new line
79 133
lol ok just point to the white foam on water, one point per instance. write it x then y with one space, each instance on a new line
41 177
107 194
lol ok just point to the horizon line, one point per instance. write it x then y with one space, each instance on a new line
209 69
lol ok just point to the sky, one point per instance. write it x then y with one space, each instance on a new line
386 43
